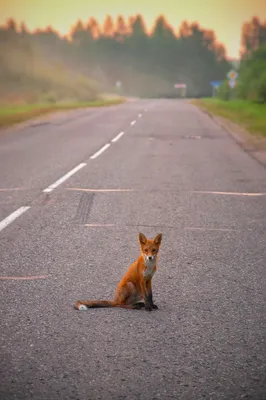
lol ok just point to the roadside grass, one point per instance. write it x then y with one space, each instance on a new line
11 114
247 114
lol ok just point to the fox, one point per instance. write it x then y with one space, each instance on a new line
136 284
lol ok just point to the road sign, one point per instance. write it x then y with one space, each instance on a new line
216 84
232 75
180 85
232 83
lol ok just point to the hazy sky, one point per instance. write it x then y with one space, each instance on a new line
225 17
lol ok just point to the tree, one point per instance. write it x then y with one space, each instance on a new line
253 36
252 76
121 29
108 27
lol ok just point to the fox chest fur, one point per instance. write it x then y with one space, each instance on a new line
148 272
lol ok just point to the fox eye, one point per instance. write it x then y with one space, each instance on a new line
146 251
154 250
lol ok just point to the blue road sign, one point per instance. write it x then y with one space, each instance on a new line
216 83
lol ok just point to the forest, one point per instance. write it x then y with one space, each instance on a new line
44 66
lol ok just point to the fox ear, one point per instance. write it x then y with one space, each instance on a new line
158 239
142 238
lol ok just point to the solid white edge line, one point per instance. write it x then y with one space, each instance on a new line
64 178
12 217
102 149
133 122
115 139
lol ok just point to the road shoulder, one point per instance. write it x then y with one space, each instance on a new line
253 144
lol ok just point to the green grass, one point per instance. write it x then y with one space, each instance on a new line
13 114
247 114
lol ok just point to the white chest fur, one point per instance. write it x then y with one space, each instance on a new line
148 272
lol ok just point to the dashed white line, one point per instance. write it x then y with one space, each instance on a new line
64 178
12 217
133 122
102 149
140 115
115 139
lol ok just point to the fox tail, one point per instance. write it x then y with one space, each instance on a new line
85 305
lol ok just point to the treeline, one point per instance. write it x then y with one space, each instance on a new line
146 63
28 74
251 84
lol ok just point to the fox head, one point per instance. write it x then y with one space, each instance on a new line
150 248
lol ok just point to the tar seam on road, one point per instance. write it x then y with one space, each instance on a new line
100 190
115 139
84 208
99 152
64 178
10 189
22 278
97 225
230 193
12 217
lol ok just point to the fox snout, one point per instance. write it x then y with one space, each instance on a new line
150 258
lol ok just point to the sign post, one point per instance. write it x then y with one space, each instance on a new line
183 88
118 85
232 78
215 85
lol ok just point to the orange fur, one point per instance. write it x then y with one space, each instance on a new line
135 285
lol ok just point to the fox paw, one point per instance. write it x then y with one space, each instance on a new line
148 308
154 307
139 306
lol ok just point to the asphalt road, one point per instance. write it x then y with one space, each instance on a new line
185 177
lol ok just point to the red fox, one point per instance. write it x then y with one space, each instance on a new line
136 283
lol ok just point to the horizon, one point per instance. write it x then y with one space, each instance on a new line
225 19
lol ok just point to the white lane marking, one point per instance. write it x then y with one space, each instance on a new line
140 115
115 139
133 122
12 217
102 149
231 193
64 178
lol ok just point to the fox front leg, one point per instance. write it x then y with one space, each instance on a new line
149 296
146 296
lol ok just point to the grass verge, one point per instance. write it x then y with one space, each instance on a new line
13 114
247 114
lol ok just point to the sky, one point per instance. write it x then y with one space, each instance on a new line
225 17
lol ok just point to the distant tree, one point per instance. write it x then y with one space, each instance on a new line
108 26
253 36
93 28
252 76
121 29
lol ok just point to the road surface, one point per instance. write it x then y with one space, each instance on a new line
71 208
